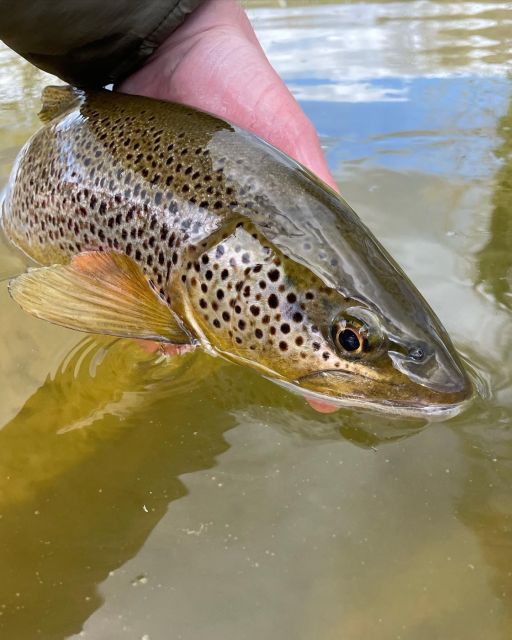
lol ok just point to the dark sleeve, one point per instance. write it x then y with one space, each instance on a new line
89 43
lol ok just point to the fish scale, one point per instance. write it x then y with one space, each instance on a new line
250 255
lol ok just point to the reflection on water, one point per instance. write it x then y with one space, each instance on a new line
495 258
139 496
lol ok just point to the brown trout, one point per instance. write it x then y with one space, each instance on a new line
160 222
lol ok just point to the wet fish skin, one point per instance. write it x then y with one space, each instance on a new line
259 260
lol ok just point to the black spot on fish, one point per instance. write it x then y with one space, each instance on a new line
273 275
273 301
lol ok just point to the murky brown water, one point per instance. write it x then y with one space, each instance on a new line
192 499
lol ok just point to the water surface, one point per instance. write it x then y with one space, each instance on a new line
195 500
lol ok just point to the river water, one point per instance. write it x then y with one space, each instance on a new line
195 500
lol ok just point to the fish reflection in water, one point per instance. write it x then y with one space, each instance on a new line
88 450
108 434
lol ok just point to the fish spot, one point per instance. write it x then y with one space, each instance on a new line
258 333
285 327
297 316
273 301
273 275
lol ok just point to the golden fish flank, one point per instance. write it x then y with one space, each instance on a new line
162 222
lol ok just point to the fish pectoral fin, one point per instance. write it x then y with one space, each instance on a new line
99 292
57 99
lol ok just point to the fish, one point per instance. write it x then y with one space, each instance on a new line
153 220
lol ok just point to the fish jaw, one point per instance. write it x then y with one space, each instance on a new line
396 396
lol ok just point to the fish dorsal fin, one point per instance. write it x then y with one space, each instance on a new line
56 100
99 292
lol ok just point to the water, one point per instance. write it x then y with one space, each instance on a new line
191 499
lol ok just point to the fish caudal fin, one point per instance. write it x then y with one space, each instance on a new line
99 292
57 99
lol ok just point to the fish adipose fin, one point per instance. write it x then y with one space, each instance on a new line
99 292
57 99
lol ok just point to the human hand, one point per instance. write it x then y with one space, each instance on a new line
214 62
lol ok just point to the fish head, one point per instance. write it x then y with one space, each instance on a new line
260 307
395 355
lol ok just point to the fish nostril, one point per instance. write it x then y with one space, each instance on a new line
417 354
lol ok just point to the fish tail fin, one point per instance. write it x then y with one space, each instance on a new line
57 99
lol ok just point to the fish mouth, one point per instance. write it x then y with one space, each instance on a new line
389 397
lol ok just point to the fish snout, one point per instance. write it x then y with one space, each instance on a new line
437 370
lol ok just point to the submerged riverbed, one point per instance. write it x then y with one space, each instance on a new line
192 499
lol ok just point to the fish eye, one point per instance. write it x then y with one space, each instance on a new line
356 332
350 340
